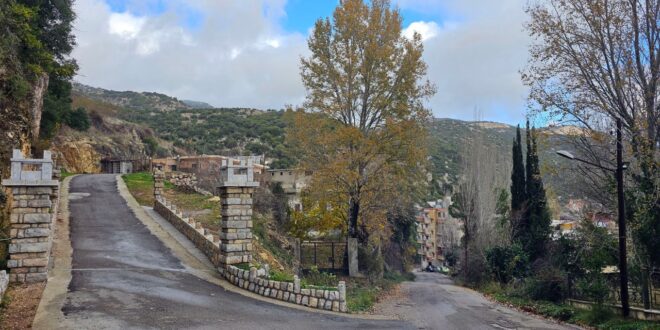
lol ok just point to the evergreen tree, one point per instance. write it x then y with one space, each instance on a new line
518 189
537 214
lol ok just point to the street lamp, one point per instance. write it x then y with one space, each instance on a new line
620 166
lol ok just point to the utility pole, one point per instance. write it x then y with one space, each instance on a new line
623 262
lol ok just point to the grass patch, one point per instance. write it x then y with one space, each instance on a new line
141 186
243 266
200 207
361 295
280 276
65 174
598 318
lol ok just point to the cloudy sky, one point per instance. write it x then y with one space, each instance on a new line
246 53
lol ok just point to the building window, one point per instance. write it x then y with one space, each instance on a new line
173 167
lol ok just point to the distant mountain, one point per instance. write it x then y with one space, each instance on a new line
197 104
145 101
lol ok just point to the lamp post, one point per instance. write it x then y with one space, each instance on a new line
620 167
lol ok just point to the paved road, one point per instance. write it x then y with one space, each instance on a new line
123 277
434 302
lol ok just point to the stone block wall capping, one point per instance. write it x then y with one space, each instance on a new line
34 200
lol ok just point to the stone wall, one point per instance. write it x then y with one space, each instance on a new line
186 182
193 230
254 280
334 300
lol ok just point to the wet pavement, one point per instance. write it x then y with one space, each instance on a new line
124 277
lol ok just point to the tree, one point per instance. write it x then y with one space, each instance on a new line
537 215
518 188
361 128
595 61
475 203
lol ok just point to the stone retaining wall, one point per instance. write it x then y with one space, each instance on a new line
288 291
193 230
253 280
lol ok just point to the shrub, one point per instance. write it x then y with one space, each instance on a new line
506 262
317 278
78 119
547 283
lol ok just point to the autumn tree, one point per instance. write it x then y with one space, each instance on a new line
360 130
596 61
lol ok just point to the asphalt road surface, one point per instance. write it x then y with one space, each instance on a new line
124 277
433 301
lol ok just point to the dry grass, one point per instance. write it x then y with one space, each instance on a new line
20 305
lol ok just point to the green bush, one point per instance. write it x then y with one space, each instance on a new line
317 278
506 262
78 119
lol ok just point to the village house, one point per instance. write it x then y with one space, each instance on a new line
293 181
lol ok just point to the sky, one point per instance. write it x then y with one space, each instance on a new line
246 53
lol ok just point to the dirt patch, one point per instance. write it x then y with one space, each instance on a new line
20 305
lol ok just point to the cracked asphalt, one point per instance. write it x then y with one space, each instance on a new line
124 277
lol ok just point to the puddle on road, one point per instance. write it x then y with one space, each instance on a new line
74 196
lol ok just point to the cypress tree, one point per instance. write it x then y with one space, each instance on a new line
537 214
518 190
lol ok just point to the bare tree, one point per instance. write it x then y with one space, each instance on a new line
475 200
596 61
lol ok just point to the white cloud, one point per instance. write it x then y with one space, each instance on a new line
475 61
427 30
237 56
125 25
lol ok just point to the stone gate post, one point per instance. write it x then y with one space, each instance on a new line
159 184
236 212
34 199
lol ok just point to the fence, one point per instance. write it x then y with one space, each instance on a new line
326 256
635 291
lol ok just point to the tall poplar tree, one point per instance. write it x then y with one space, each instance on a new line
361 128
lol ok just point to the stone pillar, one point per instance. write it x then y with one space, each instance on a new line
34 198
236 212
159 184
236 225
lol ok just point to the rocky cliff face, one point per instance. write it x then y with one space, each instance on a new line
82 152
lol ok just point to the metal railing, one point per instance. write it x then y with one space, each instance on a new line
327 256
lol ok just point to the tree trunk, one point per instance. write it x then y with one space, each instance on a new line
37 103
353 212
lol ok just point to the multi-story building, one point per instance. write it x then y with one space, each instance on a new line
436 231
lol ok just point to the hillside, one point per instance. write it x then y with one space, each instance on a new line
138 125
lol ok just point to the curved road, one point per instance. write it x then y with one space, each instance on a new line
433 301
124 277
